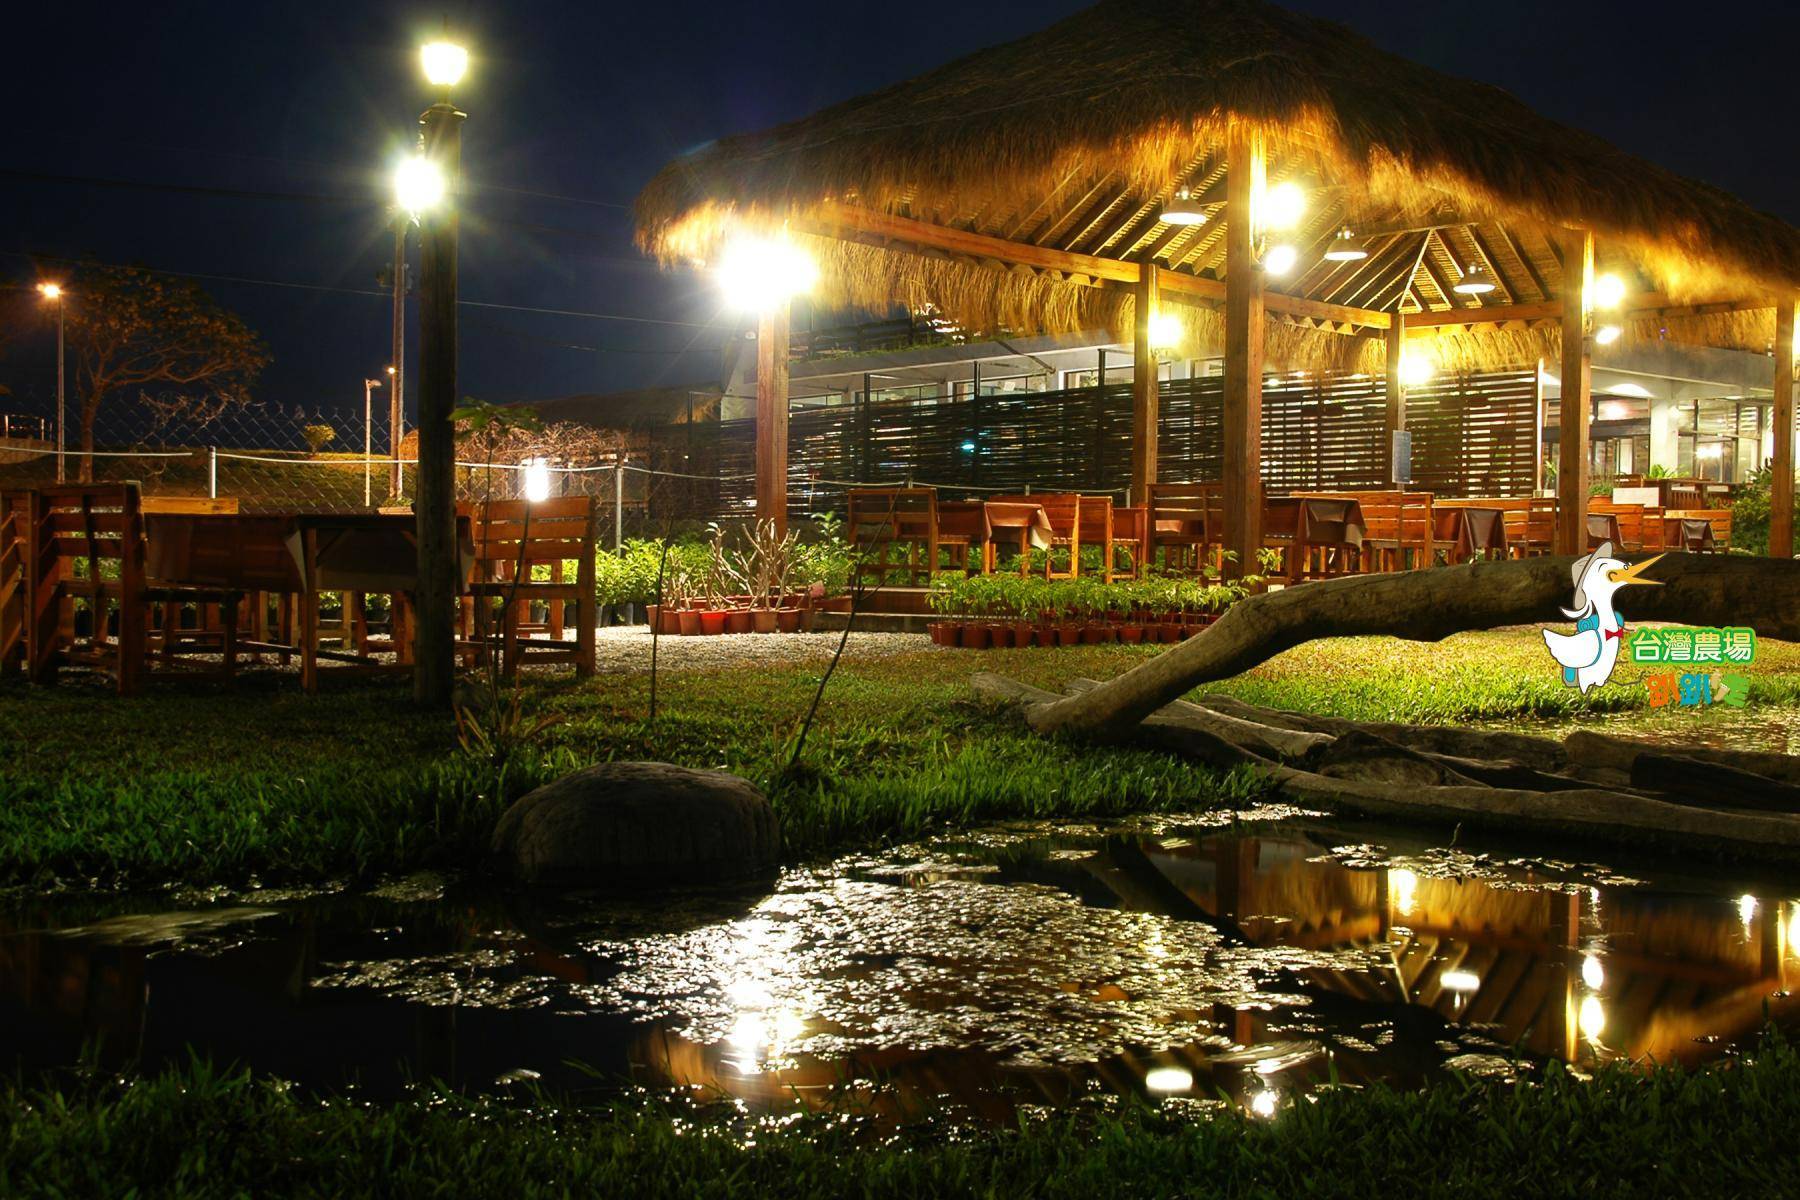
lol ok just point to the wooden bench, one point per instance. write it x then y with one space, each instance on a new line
882 520
512 537
189 506
1186 521
85 554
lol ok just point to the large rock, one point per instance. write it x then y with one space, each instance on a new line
636 825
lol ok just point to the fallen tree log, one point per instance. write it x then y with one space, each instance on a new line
1707 589
1384 771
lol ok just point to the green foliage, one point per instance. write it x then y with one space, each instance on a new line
1084 598
318 437
1750 511
1725 1130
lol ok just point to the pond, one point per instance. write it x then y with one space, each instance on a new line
1182 959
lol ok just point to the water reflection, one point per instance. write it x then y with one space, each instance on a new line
1026 967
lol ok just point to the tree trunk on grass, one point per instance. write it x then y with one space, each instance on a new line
1707 589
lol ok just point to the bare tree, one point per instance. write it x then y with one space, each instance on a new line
162 338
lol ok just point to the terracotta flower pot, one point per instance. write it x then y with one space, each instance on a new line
1000 636
764 620
1068 633
974 637
1131 635
788 620
1024 633
712 621
1169 631
1094 634
687 622
737 620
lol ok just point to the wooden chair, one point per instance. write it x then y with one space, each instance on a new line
1634 520
1131 529
85 555
1186 521
1384 538
209 626
1096 522
1063 509
883 519
15 530
518 535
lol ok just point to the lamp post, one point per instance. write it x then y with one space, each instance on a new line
434 504
53 291
369 386
397 367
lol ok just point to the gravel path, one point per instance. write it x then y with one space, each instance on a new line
624 649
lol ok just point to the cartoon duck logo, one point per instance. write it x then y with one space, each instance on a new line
1589 654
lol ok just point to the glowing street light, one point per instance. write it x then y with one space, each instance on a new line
1416 370
418 184
445 63
537 479
54 291
1283 206
760 274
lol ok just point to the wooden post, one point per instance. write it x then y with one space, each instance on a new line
1243 355
1144 396
1396 390
1781 488
1572 466
434 503
772 416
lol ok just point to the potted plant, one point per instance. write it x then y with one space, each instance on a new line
1059 601
943 600
976 634
1026 598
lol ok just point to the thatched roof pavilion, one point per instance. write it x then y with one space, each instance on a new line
1025 188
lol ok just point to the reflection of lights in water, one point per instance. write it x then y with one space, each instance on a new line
1592 973
1794 929
1169 1079
1263 1104
1746 910
1461 981
1593 1018
1405 889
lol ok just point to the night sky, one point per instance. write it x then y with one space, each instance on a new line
572 107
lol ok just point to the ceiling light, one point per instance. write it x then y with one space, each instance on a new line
1416 369
1184 209
1606 335
1345 247
1609 291
1169 1079
1634 390
1612 410
1474 282
1165 331
1461 981
1280 259
1283 206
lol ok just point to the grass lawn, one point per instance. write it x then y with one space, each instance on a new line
218 787
1719 1132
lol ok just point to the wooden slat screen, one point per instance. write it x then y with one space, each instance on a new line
1471 435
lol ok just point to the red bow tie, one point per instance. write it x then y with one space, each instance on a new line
1616 633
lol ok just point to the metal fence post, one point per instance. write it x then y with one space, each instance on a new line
212 472
618 505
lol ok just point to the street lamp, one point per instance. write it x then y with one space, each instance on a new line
53 291
434 503
369 386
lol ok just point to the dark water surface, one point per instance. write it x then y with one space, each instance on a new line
1023 965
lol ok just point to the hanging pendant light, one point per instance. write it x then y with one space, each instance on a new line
1345 247
1184 209
1475 281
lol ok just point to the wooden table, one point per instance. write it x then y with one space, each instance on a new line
1604 527
1689 533
1024 522
1305 523
1466 531
301 555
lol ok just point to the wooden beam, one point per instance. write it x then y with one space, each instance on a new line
1243 357
1396 391
1572 453
1493 314
772 417
1781 487
1145 398
837 218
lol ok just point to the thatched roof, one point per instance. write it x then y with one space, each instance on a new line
1073 137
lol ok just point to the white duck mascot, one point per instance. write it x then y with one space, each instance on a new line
1588 655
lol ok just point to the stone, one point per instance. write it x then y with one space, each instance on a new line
638 826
